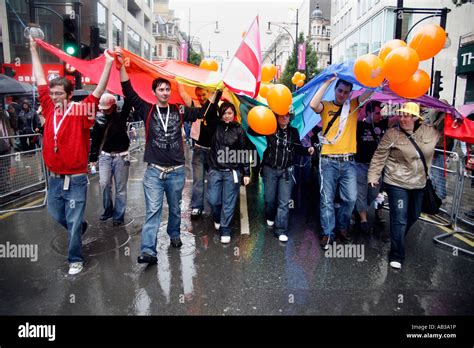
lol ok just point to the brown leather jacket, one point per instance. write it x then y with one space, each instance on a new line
397 156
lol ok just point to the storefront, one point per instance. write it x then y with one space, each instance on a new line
465 69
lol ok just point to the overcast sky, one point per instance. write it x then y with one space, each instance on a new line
234 17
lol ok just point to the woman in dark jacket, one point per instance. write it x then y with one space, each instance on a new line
229 155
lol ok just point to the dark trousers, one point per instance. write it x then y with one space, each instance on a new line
405 209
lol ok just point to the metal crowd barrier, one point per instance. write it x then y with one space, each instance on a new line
22 174
136 133
462 207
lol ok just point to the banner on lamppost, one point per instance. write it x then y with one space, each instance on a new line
183 52
301 56
278 73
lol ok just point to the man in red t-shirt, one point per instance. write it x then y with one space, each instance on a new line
66 146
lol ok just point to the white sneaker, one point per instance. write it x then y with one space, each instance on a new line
75 268
225 239
270 223
217 226
395 264
283 238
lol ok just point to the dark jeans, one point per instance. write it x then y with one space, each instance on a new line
222 195
405 209
277 186
200 168
67 207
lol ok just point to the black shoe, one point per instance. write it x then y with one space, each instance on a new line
326 242
344 237
104 218
147 258
84 226
176 243
196 213
117 223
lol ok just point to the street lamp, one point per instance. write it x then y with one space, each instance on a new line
432 12
295 42
190 39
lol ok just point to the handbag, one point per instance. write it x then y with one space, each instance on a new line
431 201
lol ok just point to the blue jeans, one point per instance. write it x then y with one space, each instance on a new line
67 207
200 164
405 209
277 186
116 167
365 194
222 194
437 175
334 175
172 185
187 129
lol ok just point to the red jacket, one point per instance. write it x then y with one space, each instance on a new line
73 138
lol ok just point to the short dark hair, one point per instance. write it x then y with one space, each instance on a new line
344 82
158 81
371 105
224 106
62 81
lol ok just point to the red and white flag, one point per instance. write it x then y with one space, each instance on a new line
244 72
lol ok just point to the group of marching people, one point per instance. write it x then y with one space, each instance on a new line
352 158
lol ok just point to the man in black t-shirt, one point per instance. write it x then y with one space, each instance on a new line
164 153
369 132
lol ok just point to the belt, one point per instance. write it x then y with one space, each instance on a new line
62 176
340 158
114 154
202 147
164 170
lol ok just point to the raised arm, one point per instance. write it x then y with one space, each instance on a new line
315 103
366 95
104 78
184 95
37 69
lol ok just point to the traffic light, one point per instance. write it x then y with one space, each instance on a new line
70 36
96 41
437 84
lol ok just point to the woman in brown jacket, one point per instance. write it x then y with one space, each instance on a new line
404 174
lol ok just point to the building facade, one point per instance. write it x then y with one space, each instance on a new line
363 26
320 36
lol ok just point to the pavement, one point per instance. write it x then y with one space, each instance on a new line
254 275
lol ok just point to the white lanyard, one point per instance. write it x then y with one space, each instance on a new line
165 124
58 126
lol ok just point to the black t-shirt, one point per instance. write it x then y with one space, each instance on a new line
368 138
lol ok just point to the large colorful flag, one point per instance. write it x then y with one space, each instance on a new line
243 75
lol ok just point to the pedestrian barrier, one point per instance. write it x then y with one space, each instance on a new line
136 133
22 174
462 206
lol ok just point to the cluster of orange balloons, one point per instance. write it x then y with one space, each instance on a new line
398 63
262 118
209 64
298 79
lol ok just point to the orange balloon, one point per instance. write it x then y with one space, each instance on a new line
264 88
294 80
262 120
416 86
428 41
279 99
303 77
268 72
209 64
369 70
389 46
400 64
299 83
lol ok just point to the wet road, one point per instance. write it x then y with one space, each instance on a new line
255 274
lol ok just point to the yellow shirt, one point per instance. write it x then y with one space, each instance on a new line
347 143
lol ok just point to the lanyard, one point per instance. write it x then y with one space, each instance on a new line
165 124
58 126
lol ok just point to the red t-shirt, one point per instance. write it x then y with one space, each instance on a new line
73 137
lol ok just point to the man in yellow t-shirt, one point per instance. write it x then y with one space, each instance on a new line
337 165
